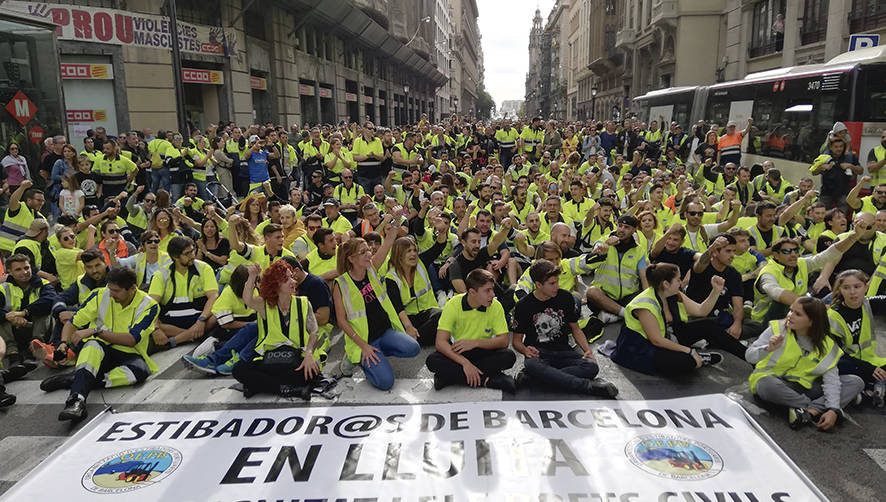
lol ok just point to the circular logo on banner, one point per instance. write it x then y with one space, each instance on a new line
674 457
131 469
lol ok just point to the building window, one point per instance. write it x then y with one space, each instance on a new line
815 21
198 12
867 15
254 23
767 35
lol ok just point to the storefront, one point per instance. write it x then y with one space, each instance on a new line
202 88
30 87
88 82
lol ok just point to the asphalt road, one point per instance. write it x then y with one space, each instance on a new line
847 465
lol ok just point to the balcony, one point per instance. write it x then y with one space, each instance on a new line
664 12
376 9
624 38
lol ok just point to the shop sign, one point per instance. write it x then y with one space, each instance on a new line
350 96
75 116
367 100
306 90
36 134
80 71
22 108
258 83
325 93
198 76
119 27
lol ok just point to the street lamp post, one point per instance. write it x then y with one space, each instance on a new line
455 104
593 100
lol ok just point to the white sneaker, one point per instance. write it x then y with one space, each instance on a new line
205 348
441 298
609 318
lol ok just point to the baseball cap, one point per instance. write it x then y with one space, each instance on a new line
36 227
332 201
731 123
254 138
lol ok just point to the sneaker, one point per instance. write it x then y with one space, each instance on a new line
609 318
17 371
522 379
303 391
202 364
441 298
879 394
346 367
503 382
57 382
5 398
710 358
227 368
44 352
798 417
75 409
205 348
602 388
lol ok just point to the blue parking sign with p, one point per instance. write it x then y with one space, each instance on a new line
863 41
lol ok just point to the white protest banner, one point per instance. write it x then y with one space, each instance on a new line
703 448
118 27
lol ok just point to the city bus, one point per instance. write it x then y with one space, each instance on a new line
793 108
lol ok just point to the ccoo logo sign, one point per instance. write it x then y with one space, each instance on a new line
22 108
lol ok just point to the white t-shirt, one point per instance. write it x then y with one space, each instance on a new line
70 201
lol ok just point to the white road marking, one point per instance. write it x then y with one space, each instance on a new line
217 391
878 456
20 454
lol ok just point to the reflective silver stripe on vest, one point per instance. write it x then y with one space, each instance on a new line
7 292
346 299
827 362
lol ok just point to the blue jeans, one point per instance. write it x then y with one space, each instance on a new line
243 343
160 178
390 343
177 192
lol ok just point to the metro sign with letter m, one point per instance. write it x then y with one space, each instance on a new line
22 108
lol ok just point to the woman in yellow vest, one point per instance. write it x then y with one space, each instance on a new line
409 285
796 367
164 224
657 340
851 316
361 300
285 363
148 260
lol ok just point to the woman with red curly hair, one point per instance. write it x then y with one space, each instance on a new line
285 363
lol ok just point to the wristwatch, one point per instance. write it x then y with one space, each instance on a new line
202 318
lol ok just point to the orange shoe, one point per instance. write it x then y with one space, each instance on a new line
44 352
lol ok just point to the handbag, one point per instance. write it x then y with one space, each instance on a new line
287 356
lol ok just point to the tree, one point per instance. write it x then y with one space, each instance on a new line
485 104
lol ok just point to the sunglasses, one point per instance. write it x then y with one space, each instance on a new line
112 230
880 192
695 213
68 238
151 200
788 250
152 241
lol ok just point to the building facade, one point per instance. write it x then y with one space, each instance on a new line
466 74
620 49
288 62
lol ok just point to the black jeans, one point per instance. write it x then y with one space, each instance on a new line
489 362
426 324
564 369
670 362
